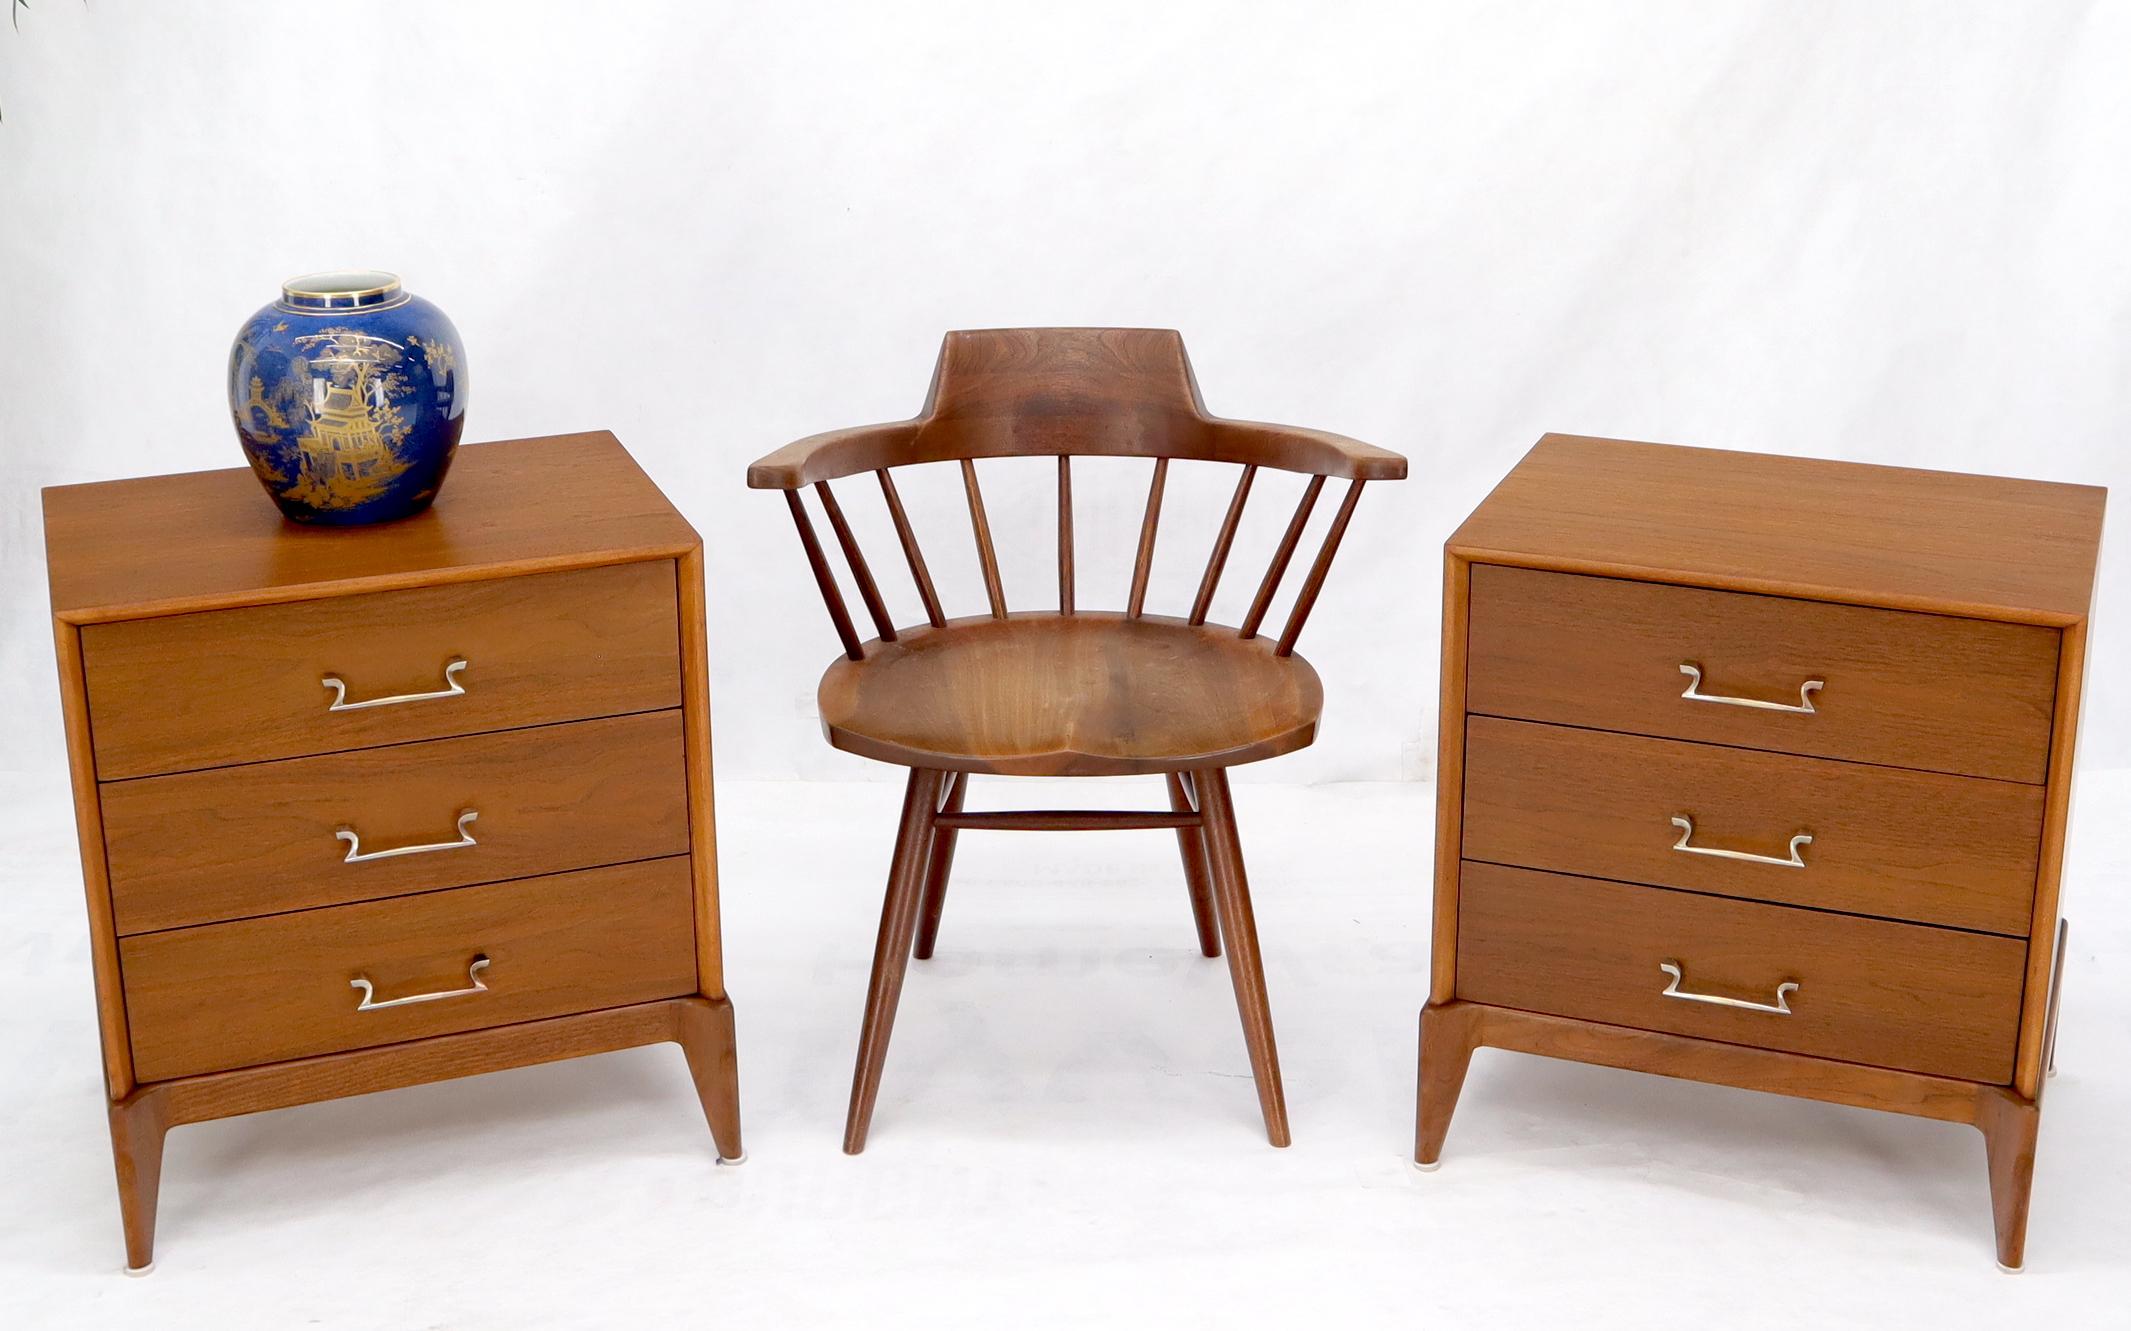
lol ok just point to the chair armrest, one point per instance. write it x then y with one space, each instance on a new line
1294 448
825 457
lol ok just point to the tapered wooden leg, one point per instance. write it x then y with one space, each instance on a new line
2009 1125
138 1125
938 865
1231 895
1183 799
707 1038
891 952
1447 1039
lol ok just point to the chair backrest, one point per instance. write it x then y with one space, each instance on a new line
1067 392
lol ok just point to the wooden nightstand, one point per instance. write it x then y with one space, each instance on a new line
1754 770
368 807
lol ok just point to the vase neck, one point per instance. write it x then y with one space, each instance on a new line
319 293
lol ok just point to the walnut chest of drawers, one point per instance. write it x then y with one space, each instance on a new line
1754 770
362 808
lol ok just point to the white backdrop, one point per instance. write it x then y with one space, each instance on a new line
1876 230
1886 231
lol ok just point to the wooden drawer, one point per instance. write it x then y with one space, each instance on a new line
1935 1001
1907 690
252 840
1953 850
257 991
235 686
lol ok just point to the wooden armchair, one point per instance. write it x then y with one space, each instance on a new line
1068 691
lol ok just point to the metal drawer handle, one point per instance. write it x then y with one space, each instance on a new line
1686 826
370 1003
452 689
1781 1007
357 855
1694 693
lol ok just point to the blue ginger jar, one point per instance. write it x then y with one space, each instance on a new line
349 394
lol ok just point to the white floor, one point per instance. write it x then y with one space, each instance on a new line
1067 1133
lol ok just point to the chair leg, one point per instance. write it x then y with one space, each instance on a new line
1183 799
1231 894
891 953
939 865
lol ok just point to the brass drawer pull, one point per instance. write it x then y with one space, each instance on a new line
1694 694
357 855
452 689
1686 826
473 973
1781 1007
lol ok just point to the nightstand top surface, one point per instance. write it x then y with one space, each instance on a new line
1945 542
208 540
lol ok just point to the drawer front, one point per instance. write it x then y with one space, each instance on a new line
232 842
1907 996
1952 850
261 991
1907 690
237 686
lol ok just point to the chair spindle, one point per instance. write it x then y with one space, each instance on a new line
1219 559
853 556
983 529
1312 585
1144 564
824 578
1278 569
911 553
1065 534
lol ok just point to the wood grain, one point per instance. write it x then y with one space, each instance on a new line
915 558
139 1125
419 1062
2010 1127
1906 845
1934 1001
1143 560
1239 935
702 788
261 838
1022 392
824 577
1074 693
1086 695
190 622
1451 1031
939 867
901 908
258 991
1901 689
1987 546
237 686
161 545
95 869
1948 617
1217 558
2049 880
702 1027
1198 876
980 528
1449 782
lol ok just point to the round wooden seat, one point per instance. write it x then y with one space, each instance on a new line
1089 694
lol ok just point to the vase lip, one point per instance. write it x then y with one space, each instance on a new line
344 289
